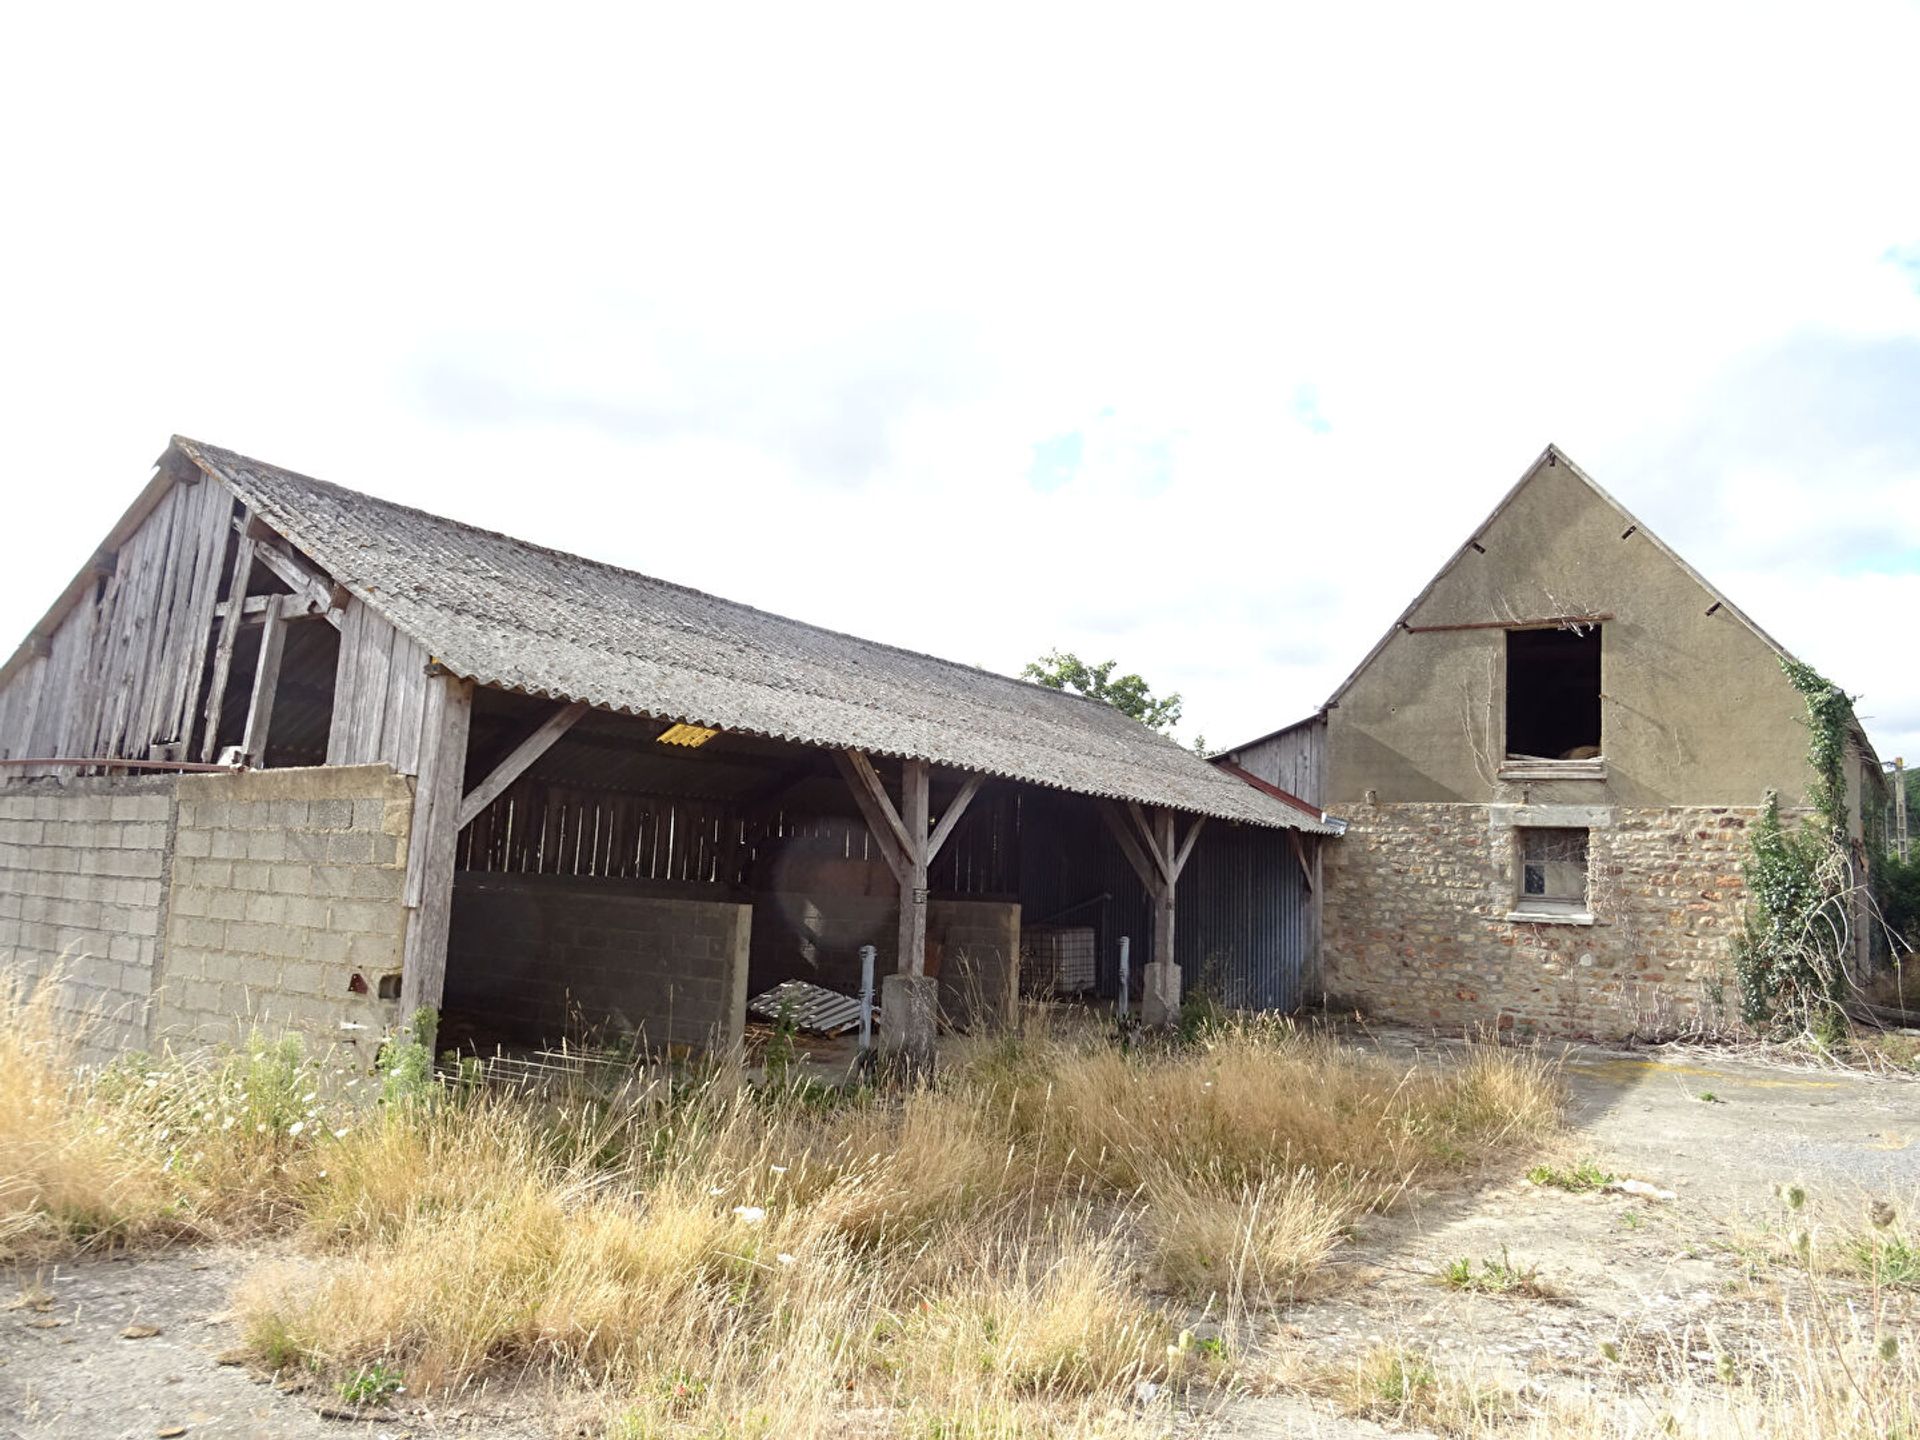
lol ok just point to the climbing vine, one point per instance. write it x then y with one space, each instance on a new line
1790 954
1829 721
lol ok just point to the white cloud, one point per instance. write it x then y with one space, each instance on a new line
781 303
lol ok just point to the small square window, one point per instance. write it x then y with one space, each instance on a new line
1553 871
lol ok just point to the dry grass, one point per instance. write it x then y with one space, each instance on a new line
1828 1369
1009 1252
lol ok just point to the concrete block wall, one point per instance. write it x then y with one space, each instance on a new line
83 883
1416 898
979 960
541 958
286 906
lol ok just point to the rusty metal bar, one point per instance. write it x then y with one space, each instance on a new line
106 763
1540 624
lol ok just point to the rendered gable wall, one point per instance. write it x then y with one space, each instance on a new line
1698 722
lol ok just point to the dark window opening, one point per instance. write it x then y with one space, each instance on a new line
302 711
1553 871
1553 694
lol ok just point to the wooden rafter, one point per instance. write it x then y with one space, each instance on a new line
518 760
316 594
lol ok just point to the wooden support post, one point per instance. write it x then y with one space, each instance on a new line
909 998
519 761
1148 841
223 647
914 786
431 847
1163 914
266 680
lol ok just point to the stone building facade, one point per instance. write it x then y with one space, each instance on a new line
1548 770
1420 926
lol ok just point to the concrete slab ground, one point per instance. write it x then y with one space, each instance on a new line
1623 1268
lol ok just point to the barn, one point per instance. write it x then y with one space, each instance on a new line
283 752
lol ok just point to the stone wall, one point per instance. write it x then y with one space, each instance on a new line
1416 900
287 906
83 877
541 958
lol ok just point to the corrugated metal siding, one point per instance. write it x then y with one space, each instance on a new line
1072 873
1294 759
1243 925
1243 920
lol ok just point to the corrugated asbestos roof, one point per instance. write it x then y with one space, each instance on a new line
517 616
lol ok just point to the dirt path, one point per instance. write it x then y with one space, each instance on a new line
79 1364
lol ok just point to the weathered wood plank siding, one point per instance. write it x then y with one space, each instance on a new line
121 671
379 696
1295 759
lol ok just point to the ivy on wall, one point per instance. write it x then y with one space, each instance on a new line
1790 954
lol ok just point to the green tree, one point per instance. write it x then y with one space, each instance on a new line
1129 694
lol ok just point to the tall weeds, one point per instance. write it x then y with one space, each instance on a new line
997 1253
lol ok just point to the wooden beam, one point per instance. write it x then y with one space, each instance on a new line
266 681
1300 854
1186 846
1162 856
1122 826
866 781
1163 951
223 647
955 809
518 760
882 821
915 784
313 591
433 843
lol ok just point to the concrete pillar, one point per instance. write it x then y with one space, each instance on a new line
1160 995
908 1007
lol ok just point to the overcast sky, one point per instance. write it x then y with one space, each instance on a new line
1190 336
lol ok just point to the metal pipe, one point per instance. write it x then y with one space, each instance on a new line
1125 982
107 763
866 998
